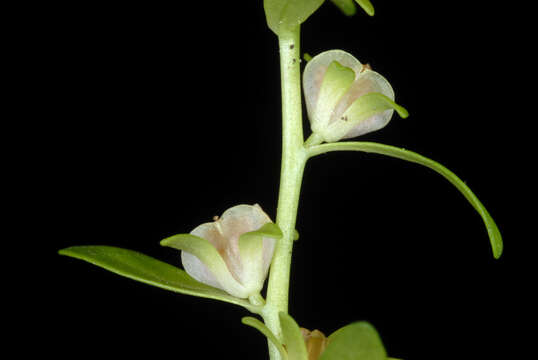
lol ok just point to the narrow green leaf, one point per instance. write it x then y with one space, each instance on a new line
493 231
346 6
293 338
367 6
357 341
148 270
257 324
287 15
210 257
307 57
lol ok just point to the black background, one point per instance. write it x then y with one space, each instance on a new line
159 117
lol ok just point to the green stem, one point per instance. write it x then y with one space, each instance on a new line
293 162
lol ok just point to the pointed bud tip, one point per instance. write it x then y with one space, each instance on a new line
404 114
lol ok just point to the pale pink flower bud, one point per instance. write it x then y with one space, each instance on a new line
248 268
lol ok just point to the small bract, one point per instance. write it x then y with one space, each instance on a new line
344 98
232 253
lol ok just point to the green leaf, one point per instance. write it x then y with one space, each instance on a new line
286 15
257 324
146 269
346 6
493 231
357 341
367 6
293 338
210 257
251 250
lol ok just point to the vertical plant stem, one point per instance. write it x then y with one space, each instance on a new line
293 162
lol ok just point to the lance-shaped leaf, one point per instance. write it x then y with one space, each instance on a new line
287 15
493 231
257 324
146 269
293 338
252 253
357 341
210 257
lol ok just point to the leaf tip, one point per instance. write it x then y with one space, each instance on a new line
367 6
498 249
495 237
66 251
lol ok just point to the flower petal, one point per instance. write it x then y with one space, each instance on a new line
225 245
253 256
346 122
198 271
236 221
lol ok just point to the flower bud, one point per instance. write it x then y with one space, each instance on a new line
344 98
315 342
232 253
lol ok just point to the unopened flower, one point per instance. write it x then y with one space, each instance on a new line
315 342
232 253
344 98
